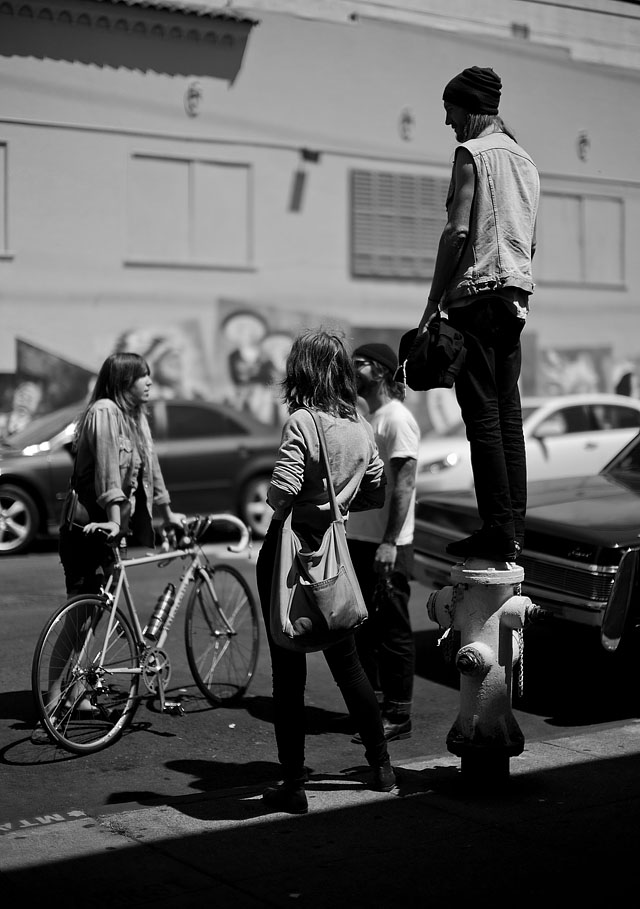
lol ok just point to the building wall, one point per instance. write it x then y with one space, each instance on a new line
72 286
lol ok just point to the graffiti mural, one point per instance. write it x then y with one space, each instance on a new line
565 371
43 381
175 356
253 347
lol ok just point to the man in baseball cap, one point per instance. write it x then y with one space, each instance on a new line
381 541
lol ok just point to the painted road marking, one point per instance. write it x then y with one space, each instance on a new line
43 820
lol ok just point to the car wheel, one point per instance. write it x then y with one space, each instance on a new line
254 510
18 520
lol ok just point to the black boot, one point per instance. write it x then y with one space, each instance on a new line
384 779
289 797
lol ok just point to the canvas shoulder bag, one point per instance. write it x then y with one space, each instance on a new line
315 596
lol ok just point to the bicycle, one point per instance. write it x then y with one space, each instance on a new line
92 653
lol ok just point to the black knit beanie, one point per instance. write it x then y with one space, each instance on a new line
476 90
379 353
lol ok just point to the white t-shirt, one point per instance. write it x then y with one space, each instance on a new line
397 435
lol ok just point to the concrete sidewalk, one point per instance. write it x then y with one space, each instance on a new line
563 828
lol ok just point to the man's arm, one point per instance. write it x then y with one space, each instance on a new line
404 474
455 234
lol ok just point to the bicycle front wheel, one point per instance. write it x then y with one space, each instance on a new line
85 686
221 634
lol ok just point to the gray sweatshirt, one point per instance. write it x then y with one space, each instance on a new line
299 478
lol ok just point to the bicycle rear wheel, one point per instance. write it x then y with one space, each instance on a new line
221 634
85 687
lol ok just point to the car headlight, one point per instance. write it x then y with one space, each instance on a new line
431 467
31 450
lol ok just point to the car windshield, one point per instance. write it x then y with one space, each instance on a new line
628 459
42 428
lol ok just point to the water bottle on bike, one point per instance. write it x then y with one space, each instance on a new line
152 631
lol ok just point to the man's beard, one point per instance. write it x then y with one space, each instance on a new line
364 385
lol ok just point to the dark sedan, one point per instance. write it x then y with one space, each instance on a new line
581 548
213 458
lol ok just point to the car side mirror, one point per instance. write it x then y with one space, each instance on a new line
617 610
553 426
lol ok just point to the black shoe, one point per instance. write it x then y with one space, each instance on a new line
486 544
288 797
384 779
392 731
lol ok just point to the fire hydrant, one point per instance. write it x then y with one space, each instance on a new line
485 606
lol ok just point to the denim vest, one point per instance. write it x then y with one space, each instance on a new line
497 253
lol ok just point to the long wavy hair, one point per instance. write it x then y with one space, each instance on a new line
475 124
116 378
319 374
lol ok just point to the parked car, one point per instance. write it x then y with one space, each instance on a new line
581 549
564 435
213 459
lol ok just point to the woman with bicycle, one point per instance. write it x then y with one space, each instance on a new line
117 476
319 375
117 479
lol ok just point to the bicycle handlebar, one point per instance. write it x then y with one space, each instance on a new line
193 528
196 526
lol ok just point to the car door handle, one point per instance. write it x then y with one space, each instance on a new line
590 445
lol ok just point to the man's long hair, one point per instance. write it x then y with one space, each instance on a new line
477 123
115 380
395 389
319 374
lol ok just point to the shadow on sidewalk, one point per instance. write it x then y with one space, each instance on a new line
549 833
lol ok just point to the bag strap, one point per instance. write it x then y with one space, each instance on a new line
337 514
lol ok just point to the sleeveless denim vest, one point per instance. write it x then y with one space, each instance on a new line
505 205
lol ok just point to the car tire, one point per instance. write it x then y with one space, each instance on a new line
253 508
19 520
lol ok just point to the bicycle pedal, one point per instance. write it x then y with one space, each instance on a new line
175 708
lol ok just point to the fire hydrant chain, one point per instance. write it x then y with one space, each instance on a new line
521 662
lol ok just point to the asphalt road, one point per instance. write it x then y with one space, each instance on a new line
570 684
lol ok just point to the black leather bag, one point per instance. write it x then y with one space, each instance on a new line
432 359
74 514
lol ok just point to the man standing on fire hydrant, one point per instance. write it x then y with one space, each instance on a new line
482 282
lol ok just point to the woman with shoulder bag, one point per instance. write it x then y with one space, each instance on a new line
319 376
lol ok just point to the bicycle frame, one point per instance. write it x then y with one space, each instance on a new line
117 586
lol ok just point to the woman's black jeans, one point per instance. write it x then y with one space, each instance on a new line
289 670
488 395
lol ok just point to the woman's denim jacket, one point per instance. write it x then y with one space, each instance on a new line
108 462
498 250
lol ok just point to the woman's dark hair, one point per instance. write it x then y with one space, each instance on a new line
319 374
115 380
477 123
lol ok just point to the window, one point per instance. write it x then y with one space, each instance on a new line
396 222
4 206
184 212
614 417
190 421
580 240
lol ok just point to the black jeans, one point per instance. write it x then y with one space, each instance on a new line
289 670
385 642
86 559
488 395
